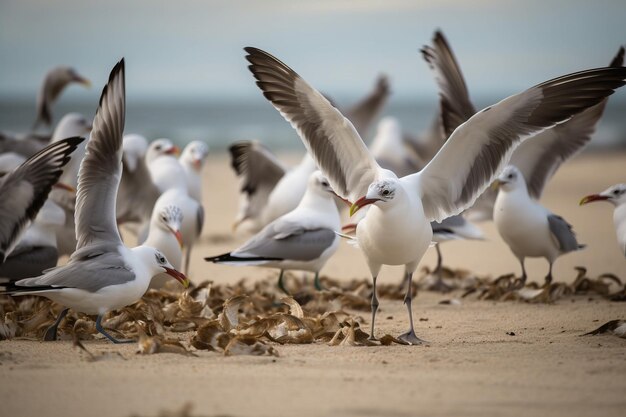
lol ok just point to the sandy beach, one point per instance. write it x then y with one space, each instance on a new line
485 358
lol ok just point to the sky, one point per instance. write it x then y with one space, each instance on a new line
192 49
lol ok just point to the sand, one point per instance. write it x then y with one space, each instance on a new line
472 366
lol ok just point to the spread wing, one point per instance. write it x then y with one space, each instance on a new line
101 169
24 191
330 138
479 148
540 156
363 113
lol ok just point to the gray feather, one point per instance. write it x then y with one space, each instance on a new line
563 233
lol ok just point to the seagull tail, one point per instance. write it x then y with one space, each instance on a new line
11 288
229 259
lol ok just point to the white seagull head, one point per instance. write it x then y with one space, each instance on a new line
156 263
382 193
170 218
510 179
161 147
195 154
615 195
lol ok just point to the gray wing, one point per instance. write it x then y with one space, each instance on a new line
258 170
24 191
298 245
89 269
363 113
540 156
330 138
478 149
562 233
137 194
454 100
101 169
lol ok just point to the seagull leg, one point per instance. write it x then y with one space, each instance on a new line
439 285
281 284
108 336
317 283
410 336
51 333
374 305
187 259
520 282
549 276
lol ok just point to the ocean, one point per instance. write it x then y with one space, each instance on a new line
221 123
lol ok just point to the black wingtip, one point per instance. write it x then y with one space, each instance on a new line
118 70
618 60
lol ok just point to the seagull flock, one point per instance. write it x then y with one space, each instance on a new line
67 191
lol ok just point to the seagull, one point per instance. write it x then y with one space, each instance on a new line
538 158
102 274
269 189
390 150
303 239
258 171
165 169
192 160
615 195
137 193
24 190
526 226
53 84
165 236
396 229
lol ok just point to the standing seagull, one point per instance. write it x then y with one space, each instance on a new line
192 160
102 274
396 229
526 226
24 191
615 195
303 239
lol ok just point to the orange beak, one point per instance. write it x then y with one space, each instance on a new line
349 228
63 186
174 150
178 276
179 236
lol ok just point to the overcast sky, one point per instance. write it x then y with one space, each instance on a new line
193 48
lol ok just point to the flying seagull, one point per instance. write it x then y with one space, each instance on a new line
615 195
303 239
102 274
396 229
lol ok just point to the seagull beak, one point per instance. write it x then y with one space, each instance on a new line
178 276
197 163
83 81
63 186
496 184
361 202
593 197
174 150
179 236
348 203
349 228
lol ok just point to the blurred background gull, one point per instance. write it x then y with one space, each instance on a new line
187 78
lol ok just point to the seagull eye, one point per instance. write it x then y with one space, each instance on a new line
385 192
616 192
158 147
164 218
510 176
325 184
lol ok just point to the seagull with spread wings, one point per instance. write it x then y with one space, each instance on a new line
396 229
102 274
